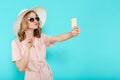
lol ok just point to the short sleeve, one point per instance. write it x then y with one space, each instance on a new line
47 40
16 54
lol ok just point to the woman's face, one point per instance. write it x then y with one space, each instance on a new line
33 21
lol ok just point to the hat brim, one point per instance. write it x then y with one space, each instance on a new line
41 12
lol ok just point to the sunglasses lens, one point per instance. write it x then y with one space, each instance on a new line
37 18
31 19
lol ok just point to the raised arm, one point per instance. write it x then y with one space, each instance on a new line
65 36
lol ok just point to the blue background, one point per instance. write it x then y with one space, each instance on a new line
93 55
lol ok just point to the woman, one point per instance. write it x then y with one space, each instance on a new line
29 49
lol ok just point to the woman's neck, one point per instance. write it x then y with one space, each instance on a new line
30 33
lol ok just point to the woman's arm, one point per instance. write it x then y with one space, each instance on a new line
22 63
65 36
61 37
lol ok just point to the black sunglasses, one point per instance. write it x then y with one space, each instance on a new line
33 19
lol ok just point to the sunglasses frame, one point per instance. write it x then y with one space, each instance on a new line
33 19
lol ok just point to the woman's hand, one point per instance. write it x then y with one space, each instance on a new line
29 40
75 31
29 43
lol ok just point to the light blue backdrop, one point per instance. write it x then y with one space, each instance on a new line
93 55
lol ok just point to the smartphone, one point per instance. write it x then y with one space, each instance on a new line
74 22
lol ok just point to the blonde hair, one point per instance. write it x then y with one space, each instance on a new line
24 25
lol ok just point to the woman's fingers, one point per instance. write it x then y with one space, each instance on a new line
29 39
75 30
27 34
29 42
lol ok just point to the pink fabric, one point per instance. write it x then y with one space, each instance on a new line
37 68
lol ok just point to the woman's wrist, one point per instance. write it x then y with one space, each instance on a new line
28 47
72 35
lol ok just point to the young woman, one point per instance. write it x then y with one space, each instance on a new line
29 48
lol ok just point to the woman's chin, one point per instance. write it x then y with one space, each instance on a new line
35 27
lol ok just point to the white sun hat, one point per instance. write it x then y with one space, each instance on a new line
41 12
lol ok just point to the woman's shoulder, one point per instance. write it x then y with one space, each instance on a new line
16 40
43 35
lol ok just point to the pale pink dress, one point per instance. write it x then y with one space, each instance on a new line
37 68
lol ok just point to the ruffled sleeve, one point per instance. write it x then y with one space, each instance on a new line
47 40
16 54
